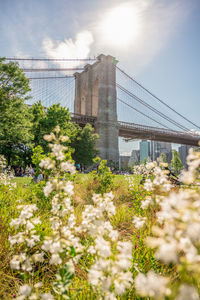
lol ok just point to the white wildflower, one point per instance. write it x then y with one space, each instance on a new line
187 292
47 296
48 189
25 290
139 222
55 259
152 285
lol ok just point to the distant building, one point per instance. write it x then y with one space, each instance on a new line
123 161
135 158
183 153
144 150
161 147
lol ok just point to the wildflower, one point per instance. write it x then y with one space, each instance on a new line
47 163
68 188
48 189
55 259
38 257
187 292
25 290
145 203
139 222
68 167
103 247
47 296
15 263
148 185
64 138
152 285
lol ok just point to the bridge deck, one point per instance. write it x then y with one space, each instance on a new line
136 131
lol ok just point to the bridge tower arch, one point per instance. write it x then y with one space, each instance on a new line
100 100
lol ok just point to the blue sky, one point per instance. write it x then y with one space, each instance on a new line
163 54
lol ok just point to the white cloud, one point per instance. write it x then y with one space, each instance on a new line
80 48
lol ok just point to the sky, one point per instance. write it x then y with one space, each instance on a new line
156 41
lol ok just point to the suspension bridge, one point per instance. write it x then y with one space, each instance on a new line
98 92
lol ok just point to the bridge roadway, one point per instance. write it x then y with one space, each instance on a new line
136 131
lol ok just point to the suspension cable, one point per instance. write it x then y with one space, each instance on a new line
161 101
143 113
152 108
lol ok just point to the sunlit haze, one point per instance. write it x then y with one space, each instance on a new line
120 25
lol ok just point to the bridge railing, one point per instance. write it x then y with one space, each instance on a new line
155 129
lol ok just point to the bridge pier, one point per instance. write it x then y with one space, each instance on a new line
95 95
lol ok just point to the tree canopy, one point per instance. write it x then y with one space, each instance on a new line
15 118
84 145
176 163
83 140
22 127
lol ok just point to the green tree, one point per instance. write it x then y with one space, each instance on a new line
46 119
84 145
83 140
163 158
38 117
15 117
37 156
103 176
176 163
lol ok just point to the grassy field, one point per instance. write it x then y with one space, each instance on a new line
128 196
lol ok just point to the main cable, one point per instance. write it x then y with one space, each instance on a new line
161 101
143 113
152 108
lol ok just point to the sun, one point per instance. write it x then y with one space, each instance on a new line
121 25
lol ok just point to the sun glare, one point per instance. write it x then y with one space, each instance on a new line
121 25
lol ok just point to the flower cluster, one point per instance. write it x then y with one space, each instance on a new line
193 174
32 293
6 175
179 238
27 235
60 188
152 285
176 238
93 217
109 275
141 170
158 178
139 222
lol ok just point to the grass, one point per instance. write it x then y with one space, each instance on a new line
127 206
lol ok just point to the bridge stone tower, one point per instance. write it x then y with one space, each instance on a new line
95 95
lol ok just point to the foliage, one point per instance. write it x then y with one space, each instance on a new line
163 158
38 115
64 279
2 163
83 140
85 146
103 176
176 163
46 119
15 118
37 157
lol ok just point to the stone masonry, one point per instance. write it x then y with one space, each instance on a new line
95 95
